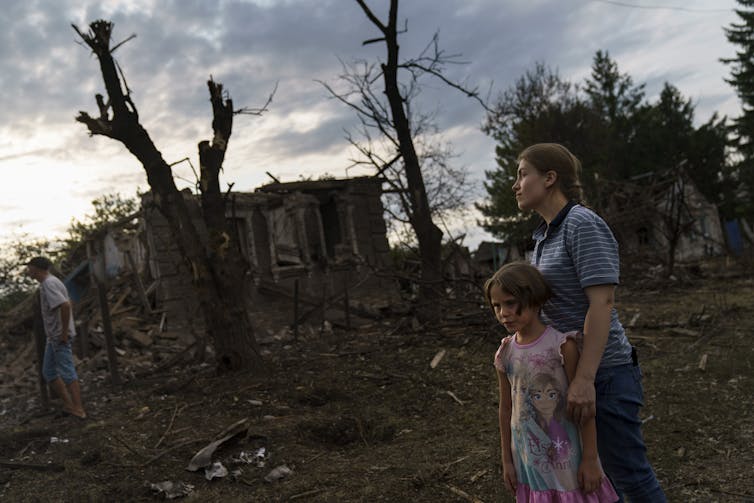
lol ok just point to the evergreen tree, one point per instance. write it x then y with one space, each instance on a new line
667 138
615 99
663 132
710 168
742 79
613 131
539 107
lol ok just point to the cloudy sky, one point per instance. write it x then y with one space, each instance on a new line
51 169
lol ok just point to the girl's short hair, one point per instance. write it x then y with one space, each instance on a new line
521 280
555 157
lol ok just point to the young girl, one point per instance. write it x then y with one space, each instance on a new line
544 458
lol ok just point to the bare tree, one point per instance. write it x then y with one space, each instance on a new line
401 160
656 209
219 270
676 219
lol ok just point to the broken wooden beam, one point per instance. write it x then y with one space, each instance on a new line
48 467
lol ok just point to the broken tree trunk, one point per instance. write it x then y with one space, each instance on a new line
215 276
232 327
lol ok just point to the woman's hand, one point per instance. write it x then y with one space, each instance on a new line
581 400
590 474
581 396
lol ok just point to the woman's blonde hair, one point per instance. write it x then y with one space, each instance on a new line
555 157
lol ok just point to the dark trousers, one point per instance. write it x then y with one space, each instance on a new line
619 439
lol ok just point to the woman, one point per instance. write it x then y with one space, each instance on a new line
578 255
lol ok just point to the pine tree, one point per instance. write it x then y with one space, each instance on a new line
539 107
617 102
742 79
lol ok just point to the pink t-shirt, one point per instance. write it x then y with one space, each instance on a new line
545 444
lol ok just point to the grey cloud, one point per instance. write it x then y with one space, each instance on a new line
47 77
28 153
327 136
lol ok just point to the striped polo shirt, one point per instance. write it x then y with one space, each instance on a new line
577 250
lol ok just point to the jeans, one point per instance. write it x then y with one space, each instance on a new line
58 362
619 440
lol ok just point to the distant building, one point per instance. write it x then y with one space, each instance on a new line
491 255
319 238
649 211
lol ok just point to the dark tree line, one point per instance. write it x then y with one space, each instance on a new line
741 34
614 130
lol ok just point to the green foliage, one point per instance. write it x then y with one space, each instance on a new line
108 208
612 94
617 102
741 34
540 107
609 126
14 284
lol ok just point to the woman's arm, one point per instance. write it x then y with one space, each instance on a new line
504 416
590 472
581 396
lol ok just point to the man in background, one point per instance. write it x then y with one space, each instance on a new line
58 368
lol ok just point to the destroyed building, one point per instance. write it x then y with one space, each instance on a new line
491 255
645 211
323 241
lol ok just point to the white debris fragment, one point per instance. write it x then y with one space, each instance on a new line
172 490
278 473
215 470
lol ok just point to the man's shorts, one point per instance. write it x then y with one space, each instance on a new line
58 362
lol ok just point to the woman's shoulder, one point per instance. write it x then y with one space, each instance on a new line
586 219
582 214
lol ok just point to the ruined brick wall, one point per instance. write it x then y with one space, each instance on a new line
326 237
175 292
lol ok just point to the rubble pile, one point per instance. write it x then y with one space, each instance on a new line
142 340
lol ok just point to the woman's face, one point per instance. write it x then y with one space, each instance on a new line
530 187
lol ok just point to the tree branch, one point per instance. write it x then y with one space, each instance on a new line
470 93
96 126
121 43
98 39
375 21
261 110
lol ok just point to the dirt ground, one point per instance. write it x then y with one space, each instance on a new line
361 415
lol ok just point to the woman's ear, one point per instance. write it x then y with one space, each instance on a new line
550 178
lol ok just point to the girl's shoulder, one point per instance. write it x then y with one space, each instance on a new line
502 353
559 339
561 336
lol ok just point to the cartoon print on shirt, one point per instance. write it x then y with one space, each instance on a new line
551 442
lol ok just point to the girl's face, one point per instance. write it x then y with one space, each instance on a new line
509 312
545 400
530 187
